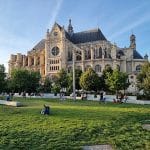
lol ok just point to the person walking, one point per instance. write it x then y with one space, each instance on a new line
101 96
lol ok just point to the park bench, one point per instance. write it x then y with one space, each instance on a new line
10 103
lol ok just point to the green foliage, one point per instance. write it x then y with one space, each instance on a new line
78 73
104 76
89 80
61 80
47 86
73 125
2 78
24 80
144 79
117 80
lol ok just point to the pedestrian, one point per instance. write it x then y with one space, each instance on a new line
101 96
125 98
104 96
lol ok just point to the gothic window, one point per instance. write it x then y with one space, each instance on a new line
26 61
32 61
107 66
87 54
97 68
98 53
118 67
69 55
55 51
78 55
138 68
105 54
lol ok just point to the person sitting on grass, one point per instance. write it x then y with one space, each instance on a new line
45 110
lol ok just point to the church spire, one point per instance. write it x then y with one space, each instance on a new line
70 28
133 41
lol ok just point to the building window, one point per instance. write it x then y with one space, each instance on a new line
78 55
97 68
107 66
118 67
138 68
69 55
98 53
87 54
32 61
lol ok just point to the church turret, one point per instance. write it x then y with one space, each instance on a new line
146 57
70 28
133 42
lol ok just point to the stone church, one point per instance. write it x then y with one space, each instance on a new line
87 48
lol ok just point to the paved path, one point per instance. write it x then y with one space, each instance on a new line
98 147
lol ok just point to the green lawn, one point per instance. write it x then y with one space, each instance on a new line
73 125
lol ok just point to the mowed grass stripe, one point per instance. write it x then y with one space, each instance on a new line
73 125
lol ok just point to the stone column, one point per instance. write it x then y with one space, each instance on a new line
35 60
24 61
83 58
29 61
42 59
92 52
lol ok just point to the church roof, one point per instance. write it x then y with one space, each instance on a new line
40 45
87 36
136 55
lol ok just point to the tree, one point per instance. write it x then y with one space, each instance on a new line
47 85
24 80
89 80
34 81
2 78
117 81
143 79
78 73
107 70
60 81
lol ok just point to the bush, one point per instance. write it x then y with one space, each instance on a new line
143 97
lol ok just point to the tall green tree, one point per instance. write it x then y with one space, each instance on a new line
104 76
89 80
47 85
2 78
78 73
143 79
60 81
117 81
24 80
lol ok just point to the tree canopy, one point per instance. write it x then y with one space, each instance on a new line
24 80
89 80
117 80
143 79
2 78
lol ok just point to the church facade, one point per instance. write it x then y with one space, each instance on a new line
88 49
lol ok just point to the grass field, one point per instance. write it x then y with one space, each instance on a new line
73 125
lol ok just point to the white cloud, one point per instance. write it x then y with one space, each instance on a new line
55 12
141 20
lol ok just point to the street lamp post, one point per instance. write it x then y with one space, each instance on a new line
74 84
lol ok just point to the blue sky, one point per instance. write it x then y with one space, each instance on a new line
23 23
